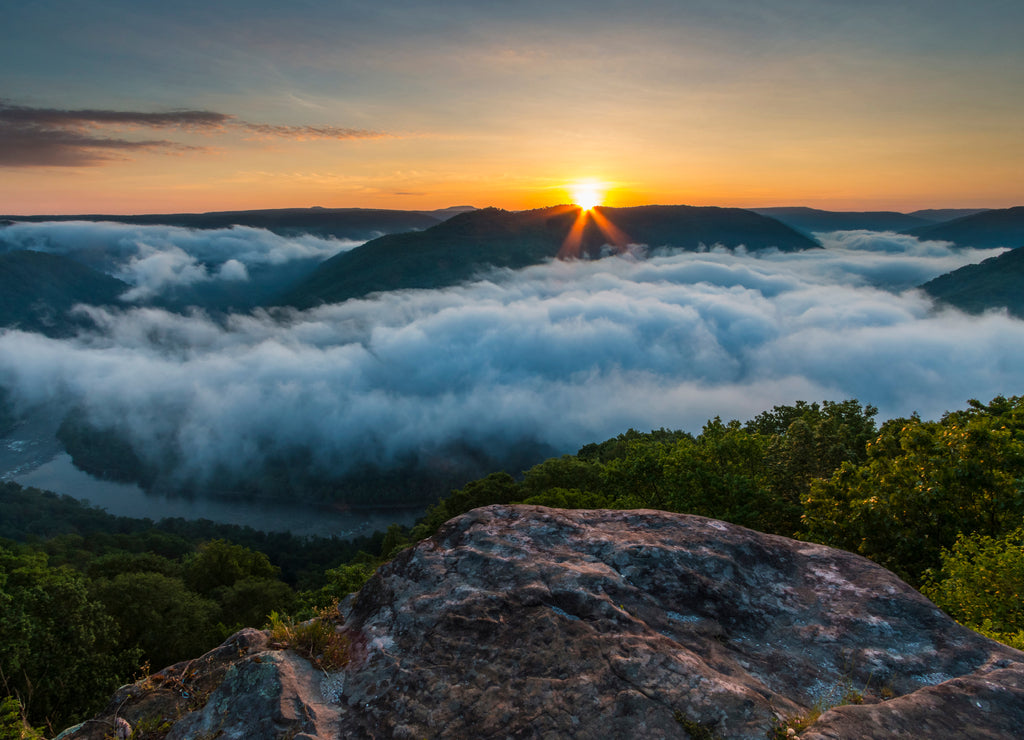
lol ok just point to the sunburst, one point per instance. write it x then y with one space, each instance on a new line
587 194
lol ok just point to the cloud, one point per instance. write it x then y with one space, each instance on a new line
555 355
155 260
307 133
48 137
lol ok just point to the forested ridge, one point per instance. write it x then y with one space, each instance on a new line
88 600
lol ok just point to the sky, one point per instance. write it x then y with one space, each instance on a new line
136 106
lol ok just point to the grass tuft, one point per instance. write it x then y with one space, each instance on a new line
320 639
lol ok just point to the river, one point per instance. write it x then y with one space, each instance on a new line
31 455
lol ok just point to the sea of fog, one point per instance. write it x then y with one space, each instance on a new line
560 354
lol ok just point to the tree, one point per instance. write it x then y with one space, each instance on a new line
13 725
219 564
496 488
159 615
721 474
59 653
922 485
808 442
248 601
980 584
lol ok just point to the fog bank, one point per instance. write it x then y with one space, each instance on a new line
559 355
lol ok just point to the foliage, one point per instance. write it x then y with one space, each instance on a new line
159 615
571 498
219 564
13 725
249 600
754 474
496 488
58 650
73 532
922 485
980 584
695 730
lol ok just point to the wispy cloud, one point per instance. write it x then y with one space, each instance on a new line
52 137
308 132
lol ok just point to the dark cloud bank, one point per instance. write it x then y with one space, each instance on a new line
552 356
53 137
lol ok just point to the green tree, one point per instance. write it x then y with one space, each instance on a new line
219 564
59 653
159 615
496 488
636 479
980 584
567 471
341 581
808 442
570 498
13 725
922 485
114 564
248 601
721 474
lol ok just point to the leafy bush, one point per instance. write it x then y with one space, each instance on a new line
13 725
980 585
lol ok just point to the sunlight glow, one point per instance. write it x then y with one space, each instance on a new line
587 195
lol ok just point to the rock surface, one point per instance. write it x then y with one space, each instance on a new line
523 621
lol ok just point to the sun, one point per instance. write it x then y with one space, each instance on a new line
587 195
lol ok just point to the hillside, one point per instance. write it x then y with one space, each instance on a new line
37 290
997 282
811 220
470 243
936 215
341 223
997 228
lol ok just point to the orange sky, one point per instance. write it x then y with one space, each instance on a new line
402 106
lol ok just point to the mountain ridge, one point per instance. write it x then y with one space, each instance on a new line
488 238
1002 227
346 223
997 282
810 220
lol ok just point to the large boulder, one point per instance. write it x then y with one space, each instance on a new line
523 621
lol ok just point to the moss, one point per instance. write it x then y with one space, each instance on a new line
694 729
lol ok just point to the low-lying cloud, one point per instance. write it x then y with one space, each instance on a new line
156 260
559 354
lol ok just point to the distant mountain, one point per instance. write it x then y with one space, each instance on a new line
811 220
938 215
997 282
471 242
37 290
997 228
443 214
340 223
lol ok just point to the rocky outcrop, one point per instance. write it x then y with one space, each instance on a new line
523 621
